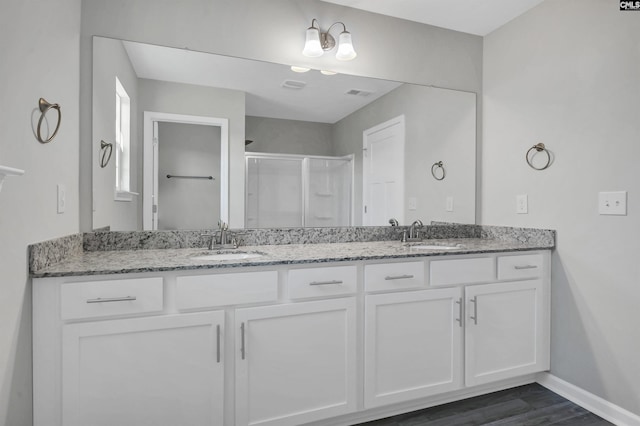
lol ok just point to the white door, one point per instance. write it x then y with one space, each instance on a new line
506 331
383 173
295 363
413 345
158 371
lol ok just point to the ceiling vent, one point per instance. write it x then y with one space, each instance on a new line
293 84
357 92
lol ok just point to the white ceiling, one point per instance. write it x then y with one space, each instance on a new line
323 99
478 17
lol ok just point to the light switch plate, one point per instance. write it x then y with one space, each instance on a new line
612 203
449 202
62 198
522 204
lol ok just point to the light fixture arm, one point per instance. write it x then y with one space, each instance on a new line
327 41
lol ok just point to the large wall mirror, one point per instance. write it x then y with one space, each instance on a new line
183 139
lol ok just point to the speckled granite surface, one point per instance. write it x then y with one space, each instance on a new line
128 261
145 240
44 254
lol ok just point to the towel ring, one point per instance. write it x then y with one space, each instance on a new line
106 149
434 170
44 108
539 147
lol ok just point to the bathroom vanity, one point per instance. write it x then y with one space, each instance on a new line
327 334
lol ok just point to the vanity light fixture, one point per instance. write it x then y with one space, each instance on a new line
318 42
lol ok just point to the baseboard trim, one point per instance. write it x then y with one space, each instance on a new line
599 406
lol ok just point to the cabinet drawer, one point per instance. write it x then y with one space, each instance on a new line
313 282
107 298
393 276
203 291
462 271
520 266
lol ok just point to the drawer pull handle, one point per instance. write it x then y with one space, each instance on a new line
218 343
526 267
397 277
475 309
459 319
242 348
326 282
112 299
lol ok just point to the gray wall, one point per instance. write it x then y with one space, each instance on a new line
288 136
574 86
39 41
177 98
111 62
430 55
192 150
439 125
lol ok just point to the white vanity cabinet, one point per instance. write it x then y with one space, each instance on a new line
161 371
413 343
282 345
295 363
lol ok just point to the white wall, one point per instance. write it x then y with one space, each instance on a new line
567 73
113 61
188 99
274 135
39 45
274 31
439 125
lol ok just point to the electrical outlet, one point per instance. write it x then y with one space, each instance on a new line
449 202
62 198
612 203
522 204
413 203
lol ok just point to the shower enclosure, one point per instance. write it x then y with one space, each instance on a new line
293 190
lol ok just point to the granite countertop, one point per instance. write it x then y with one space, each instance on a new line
129 261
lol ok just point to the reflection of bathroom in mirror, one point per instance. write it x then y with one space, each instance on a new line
298 150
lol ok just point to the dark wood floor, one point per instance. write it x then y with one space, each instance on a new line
525 405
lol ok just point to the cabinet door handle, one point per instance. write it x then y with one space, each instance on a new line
475 309
242 348
326 282
459 319
397 277
525 267
112 299
218 343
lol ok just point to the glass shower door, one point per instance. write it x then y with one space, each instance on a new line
328 192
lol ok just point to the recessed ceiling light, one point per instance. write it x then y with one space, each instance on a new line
299 69
327 72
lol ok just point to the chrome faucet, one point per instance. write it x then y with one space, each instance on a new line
222 229
414 232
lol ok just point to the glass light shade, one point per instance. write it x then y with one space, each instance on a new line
327 72
295 68
345 47
312 47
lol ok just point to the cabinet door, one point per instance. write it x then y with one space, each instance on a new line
295 363
507 332
413 345
159 371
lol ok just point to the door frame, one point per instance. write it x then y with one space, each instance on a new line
150 161
366 134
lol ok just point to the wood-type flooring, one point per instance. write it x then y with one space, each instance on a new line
529 405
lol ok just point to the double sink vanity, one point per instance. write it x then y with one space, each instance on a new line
283 331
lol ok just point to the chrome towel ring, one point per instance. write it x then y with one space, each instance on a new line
437 171
44 108
539 147
106 149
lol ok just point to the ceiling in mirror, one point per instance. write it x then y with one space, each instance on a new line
272 90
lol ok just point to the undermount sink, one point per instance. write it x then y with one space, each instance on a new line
227 256
436 247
